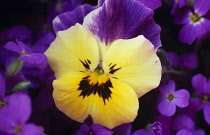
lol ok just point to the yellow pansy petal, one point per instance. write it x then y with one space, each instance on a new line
134 62
74 49
107 109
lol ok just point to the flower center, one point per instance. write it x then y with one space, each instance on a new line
23 53
2 103
18 129
99 69
195 18
205 99
170 97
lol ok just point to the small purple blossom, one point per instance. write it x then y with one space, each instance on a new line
169 99
38 60
15 115
196 24
202 87
177 5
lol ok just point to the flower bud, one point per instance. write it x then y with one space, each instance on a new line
14 68
19 87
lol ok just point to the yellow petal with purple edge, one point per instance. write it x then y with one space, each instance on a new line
73 50
134 62
75 95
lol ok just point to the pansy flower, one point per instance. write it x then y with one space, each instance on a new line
196 23
100 70
38 60
169 99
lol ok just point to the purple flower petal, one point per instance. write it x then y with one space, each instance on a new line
124 129
2 87
153 4
198 132
143 132
201 6
84 130
97 129
183 17
202 29
184 132
199 83
187 34
166 108
181 98
31 129
38 60
19 107
168 88
206 112
183 122
18 47
123 19
68 19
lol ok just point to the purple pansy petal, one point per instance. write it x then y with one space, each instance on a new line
31 129
199 83
189 60
153 4
187 34
202 6
184 132
143 132
97 129
168 88
68 19
198 132
2 86
206 112
181 98
166 108
183 122
19 107
100 2
84 130
38 60
124 129
19 32
123 19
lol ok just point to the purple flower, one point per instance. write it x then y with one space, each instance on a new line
95 129
169 99
38 60
2 92
15 115
202 87
196 24
188 60
109 26
177 5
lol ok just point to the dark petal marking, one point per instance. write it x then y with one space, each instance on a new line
112 70
85 63
103 89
